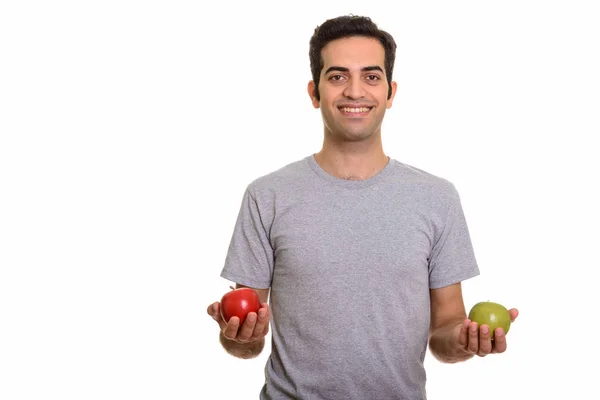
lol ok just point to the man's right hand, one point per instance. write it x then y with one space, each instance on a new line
255 327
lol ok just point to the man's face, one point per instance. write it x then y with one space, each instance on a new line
353 89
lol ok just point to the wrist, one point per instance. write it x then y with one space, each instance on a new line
445 346
243 350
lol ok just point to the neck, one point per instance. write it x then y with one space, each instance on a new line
352 161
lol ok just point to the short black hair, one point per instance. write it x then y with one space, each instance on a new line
349 26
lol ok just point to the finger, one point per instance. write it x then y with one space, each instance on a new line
247 328
262 324
485 341
463 337
214 311
231 329
499 341
514 313
473 337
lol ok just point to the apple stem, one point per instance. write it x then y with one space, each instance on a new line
231 287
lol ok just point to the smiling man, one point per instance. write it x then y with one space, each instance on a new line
353 96
353 93
358 258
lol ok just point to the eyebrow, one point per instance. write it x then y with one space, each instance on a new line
344 69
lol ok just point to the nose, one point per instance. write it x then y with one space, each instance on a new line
354 89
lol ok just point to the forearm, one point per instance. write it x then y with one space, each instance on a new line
444 344
242 350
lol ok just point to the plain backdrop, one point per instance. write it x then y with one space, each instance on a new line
130 129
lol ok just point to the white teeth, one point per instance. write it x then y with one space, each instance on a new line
355 110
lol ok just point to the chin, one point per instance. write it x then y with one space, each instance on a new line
354 134
357 136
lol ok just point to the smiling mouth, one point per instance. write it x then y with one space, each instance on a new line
355 111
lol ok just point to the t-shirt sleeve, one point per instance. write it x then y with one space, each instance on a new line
250 257
452 257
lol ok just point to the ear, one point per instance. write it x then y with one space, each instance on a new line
391 99
313 94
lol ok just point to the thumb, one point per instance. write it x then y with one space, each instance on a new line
214 310
514 313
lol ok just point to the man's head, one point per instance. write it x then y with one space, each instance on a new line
344 27
352 64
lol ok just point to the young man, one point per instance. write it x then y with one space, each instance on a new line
360 256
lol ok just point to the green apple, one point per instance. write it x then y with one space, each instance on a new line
491 314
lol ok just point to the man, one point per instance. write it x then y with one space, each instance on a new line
357 257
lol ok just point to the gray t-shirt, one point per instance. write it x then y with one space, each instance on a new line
350 265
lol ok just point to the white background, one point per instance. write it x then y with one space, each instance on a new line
130 129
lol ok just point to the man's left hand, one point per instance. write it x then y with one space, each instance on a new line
477 339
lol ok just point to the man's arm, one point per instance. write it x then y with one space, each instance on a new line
454 338
448 317
248 340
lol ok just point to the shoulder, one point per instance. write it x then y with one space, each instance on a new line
288 176
424 181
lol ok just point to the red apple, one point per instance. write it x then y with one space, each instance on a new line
238 303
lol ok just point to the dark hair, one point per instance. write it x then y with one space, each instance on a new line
343 27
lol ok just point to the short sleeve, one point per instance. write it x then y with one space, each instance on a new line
452 258
250 257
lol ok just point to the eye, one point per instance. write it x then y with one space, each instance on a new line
373 78
336 78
